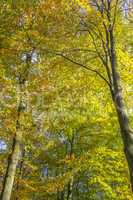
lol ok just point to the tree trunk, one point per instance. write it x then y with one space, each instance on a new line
11 168
117 96
20 175
69 190
16 147
13 157
127 135
126 131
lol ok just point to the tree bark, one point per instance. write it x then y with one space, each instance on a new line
16 147
11 168
116 88
118 99
20 175
13 159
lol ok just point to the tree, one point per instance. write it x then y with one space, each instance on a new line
103 29
60 65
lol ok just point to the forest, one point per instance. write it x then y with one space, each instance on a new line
66 99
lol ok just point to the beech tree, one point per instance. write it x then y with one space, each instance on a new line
107 13
66 85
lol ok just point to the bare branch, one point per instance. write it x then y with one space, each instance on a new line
79 64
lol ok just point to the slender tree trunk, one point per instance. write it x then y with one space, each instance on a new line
114 80
69 189
20 175
13 159
16 147
117 96
127 135
11 168
70 184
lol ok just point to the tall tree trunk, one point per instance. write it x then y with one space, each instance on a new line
69 190
16 147
127 135
117 96
20 175
13 159
70 183
114 80
11 168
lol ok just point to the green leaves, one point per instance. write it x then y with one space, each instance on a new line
70 129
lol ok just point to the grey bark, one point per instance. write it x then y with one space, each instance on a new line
16 147
117 96
11 169
110 64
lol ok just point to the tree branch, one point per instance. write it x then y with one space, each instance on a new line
79 64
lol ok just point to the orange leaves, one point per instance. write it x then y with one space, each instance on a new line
69 158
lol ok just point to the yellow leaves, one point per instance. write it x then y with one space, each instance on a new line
83 4
49 7
106 166
2 170
30 167
124 58
50 145
67 100
69 158
28 185
51 185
